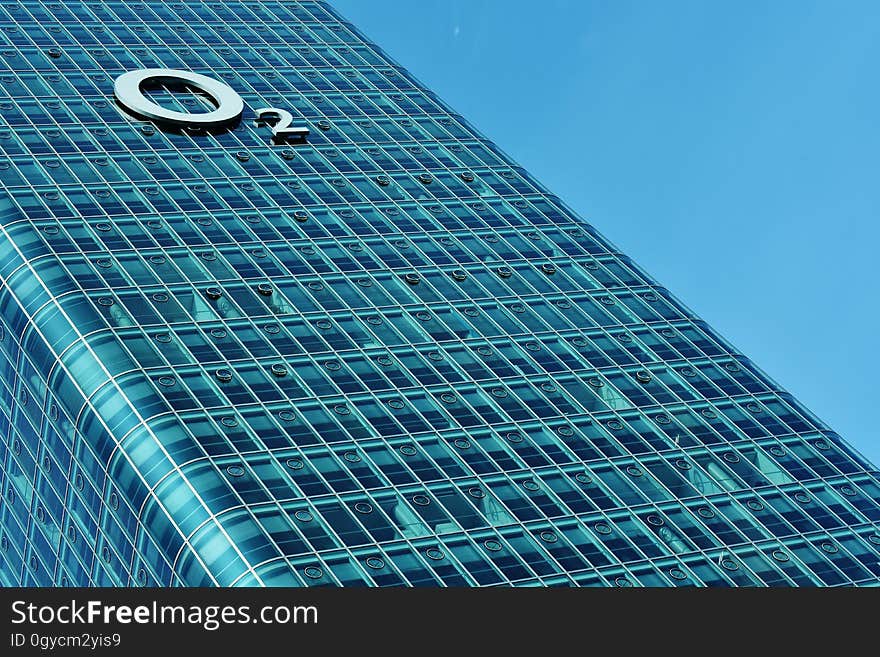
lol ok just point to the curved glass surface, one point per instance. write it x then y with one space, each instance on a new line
381 355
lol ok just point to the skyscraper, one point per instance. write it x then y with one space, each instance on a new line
271 313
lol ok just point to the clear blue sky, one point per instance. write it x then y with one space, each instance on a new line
731 148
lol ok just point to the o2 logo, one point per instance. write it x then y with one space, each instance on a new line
230 106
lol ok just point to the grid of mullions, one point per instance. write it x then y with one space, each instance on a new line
385 357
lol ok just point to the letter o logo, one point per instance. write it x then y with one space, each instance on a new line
127 90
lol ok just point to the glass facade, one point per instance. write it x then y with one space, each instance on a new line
383 354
